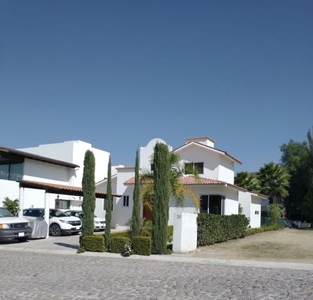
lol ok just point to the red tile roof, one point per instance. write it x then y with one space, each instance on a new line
59 188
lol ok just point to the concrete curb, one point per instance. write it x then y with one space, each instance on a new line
182 258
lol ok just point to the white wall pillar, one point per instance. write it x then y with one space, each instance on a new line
47 213
21 202
185 232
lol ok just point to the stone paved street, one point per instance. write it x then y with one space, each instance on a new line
27 275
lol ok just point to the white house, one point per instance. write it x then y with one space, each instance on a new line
215 187
50 175
41 173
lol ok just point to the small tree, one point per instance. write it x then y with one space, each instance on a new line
161 160
275 212
12 206
108 213
89 190
136 220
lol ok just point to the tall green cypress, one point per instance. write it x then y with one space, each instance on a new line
89 196
161 160
108 213
136 200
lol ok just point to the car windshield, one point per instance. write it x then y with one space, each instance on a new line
4 213
57 213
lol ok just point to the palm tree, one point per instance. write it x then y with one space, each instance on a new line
248 181
274 180
178 191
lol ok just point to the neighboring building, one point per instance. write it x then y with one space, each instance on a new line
57 164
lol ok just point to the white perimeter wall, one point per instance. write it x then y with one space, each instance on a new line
251 208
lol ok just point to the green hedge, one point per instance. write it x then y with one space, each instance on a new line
141 245
126 234
118 244
251 231
94 243
216 229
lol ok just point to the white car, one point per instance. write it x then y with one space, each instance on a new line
13 227
99 223
59 222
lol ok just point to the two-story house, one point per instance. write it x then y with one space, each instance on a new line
215 185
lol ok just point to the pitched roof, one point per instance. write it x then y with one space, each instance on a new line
190 180
209 148
11 153
59 188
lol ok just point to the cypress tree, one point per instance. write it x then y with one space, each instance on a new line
108 213
136 200
89 196
161 160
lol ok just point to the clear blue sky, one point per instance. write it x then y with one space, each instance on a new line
119 73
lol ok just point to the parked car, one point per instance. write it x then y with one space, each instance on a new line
12 227
59 222
99 223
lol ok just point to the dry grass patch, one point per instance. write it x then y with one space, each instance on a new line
282 245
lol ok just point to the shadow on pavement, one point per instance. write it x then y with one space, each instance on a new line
67 245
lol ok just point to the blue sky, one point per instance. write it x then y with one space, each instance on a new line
119 73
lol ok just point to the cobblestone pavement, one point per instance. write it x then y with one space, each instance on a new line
26 275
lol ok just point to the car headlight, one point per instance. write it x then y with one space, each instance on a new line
4 226
97 222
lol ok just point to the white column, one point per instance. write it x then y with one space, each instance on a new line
21 202
47 213
185 232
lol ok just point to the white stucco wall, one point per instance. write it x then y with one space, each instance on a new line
245 202
74 152
121 214
226 170
194 153
45 172
251 208
8 189
145 153
185 232
255 213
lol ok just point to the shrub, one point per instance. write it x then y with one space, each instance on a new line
126 234
216 229
94 243
141 245
118 244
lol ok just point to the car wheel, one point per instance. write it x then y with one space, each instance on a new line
23 239
55 230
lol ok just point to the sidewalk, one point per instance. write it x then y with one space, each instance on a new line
67 245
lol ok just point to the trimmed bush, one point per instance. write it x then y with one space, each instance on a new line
118 244
141 245
251 231
216 229
126 234
94 243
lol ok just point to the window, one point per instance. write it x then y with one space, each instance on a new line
62 204
126 201
11 172
204 199
190 167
